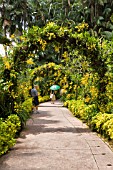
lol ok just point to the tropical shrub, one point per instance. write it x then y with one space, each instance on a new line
44 98
8 130
103 124
23 110
81 110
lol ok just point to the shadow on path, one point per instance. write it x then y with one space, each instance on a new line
38 125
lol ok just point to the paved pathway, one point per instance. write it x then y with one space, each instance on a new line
56 140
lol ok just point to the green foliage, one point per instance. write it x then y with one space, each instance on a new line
81 110
5 83
103 124
44 98
4 40
47 75
23 110
98 121
8 130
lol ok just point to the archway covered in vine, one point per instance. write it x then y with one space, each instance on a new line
57 44
82 64
48 74
74 50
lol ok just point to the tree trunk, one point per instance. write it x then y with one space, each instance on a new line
92 12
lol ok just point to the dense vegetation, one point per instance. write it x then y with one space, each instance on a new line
72 48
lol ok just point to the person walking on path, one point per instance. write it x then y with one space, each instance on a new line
35 101
52 97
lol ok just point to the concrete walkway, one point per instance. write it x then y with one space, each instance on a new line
56 140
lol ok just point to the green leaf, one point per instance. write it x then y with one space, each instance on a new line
4 40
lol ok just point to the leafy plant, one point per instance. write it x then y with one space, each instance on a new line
8 130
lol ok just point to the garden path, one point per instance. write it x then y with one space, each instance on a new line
55 140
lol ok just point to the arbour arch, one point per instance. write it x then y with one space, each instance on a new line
63 41
60 39
47 75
